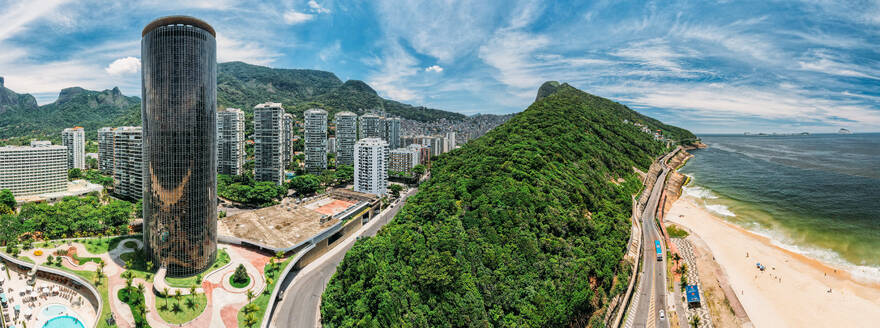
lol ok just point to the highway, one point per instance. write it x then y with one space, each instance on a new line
300 304
652 280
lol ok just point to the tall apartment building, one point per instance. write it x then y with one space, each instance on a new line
370 126
287 136
179 111
346 137
331 145
450 141
392 132
128 159
230 141
371 166
315 140
424 153
37 169
403 160
269 142
105 150
75 141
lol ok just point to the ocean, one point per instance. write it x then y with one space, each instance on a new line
818 195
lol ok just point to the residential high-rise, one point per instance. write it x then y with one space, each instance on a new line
346 136
105 150
371 166
269 142
230 141
287 139
331 145
40 168
316 140
403 160
392 132
75 141
369 126
128 159
450 140
424 153
179 112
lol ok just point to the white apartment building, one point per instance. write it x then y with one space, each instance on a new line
370 127
75 141
315 121
230 141
40 168
450 141
287 136
105 149
128 159
268 142
346 137
371 166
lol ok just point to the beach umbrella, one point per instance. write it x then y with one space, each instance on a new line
28 311
17 307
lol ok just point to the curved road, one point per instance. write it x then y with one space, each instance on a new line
299 307
652 283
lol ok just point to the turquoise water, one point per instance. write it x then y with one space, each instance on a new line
817 195
54 310
63 322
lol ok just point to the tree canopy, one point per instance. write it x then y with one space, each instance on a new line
525 226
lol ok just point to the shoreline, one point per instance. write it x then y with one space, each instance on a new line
792 281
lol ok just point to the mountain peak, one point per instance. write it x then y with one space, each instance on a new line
547 89
68 93
358 85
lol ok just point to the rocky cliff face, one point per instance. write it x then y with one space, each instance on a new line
9 100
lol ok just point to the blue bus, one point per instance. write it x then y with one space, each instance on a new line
659 250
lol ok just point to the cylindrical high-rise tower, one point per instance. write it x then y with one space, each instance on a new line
179 78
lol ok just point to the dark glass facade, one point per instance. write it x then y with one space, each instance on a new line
179 65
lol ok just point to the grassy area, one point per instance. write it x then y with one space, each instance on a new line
25 258
135 302
139 266
186 282
242 284
676 232
131 244
262 301
180 310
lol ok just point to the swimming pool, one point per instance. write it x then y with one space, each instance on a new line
63 322
55 310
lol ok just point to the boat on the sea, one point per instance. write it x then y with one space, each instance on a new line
844 131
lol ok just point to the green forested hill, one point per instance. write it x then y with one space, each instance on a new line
523 227
239 85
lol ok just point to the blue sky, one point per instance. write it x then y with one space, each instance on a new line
712 67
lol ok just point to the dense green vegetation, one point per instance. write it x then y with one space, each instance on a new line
179 309
521 227
134 297
239 278
251 315
93 176
243 189
70 217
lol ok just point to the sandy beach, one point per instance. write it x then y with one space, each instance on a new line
793 291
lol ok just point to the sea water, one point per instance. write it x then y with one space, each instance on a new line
818 195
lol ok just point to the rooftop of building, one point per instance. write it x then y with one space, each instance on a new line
74 188
316 111
178 20
33 147
234 110
371 142
292 222
346 113
268 105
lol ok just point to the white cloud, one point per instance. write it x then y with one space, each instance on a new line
294 17
317 8
17 17
229 49
434 68
827 63
331 51
127 65
395 67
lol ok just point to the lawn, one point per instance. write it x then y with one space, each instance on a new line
134 300
676 232
242 284
186 282
102 244
262 300
138 265
180 310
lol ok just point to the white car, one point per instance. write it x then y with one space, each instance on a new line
662 315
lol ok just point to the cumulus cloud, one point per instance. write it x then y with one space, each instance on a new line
121 66
294 17
434 68
317 8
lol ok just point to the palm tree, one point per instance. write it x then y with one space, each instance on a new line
140 288
177 295
250 321
165 295
250 295
695 321
192 291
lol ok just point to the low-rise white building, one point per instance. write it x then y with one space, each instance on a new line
40 168
371 166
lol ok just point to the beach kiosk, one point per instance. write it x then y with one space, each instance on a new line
693 296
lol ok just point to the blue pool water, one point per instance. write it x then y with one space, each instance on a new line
54 310
63 322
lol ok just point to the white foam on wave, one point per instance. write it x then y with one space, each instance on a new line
863 273
719 209
698 192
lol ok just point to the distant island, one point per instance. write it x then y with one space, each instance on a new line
775 134
844 131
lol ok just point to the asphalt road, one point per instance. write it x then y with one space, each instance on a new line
653 275
300 305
